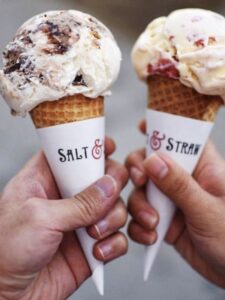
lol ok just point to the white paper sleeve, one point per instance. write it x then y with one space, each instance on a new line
75 153
183 139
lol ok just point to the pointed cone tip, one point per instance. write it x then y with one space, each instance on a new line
149 260
98 279
146 273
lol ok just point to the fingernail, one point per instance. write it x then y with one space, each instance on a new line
148 219
105 250
107 185
156 167
136 175
101 227
150 238
153 238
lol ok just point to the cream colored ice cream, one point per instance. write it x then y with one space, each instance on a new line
57 54
188 45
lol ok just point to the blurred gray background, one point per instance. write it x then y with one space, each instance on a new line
172 278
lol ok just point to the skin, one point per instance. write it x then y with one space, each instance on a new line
40 256
197 230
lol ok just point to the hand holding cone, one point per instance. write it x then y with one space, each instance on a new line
58 69
178 58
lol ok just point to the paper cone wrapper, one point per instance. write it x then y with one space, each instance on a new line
72 132
179 122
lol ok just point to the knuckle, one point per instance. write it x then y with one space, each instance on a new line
123 242
133 199
181 185
89 205
122 213
123 171
119 171
132 158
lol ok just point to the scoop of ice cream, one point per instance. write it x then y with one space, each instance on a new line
188 45
56 54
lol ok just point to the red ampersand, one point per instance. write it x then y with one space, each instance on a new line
156 140
97 150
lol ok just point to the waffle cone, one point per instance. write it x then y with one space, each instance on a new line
66 110
171 96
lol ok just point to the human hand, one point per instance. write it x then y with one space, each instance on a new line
40 256
197 231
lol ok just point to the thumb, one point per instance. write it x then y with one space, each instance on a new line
85 208
177 184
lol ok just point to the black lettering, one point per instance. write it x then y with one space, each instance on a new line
183 148
197 148
62 156
178 146
70 155
191 149
85 152
78 157
169 147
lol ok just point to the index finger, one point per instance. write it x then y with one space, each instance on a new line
110 146
142 126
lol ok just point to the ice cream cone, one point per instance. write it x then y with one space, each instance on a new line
181 59
181 108
72 110
170 96
52 55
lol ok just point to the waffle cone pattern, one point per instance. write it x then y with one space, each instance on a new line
66 110
170 96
